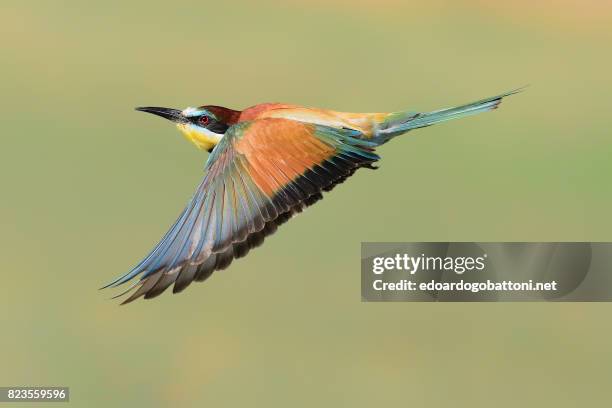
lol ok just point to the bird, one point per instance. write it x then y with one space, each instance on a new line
266 163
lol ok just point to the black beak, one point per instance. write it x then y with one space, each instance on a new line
171 114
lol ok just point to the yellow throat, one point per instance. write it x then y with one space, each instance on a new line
203 138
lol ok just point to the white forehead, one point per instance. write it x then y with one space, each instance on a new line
190 111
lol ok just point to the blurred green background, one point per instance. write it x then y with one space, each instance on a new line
89 186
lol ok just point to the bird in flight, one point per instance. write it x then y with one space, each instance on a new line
266 164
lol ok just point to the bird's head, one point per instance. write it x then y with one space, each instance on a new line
203 126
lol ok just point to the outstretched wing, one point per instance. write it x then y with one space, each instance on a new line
259 175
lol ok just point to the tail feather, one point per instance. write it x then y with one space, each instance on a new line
401 122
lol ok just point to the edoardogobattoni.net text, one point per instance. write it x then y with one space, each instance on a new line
488 285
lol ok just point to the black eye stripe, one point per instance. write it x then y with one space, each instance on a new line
217 127
195 120
213 125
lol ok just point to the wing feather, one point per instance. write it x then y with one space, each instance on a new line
260 175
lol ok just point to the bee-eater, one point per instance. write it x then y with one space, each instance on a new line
266 164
